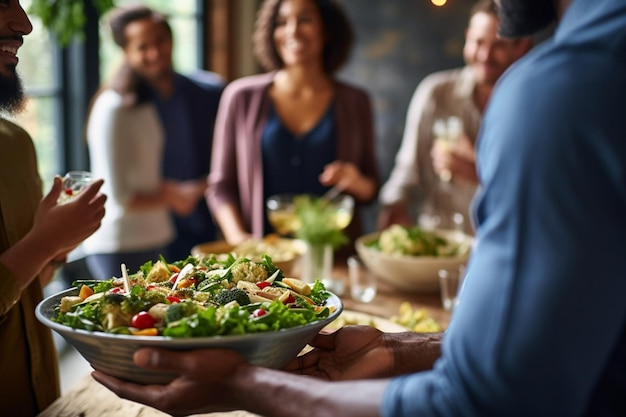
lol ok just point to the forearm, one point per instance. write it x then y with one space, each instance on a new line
231 224
277 394
413 352
364 189
148 201
27 258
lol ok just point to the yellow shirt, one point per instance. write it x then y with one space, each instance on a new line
29 378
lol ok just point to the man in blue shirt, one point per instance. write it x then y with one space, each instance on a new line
540 329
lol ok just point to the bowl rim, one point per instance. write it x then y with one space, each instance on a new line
62 329
362 240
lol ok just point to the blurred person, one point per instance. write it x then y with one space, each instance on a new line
436 178
149 135
540 328
35 237
295 129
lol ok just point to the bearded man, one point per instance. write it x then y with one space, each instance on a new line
540 329
35 236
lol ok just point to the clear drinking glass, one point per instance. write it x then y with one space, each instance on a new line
73 184
450 280
363 283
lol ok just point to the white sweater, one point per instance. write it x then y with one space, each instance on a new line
125 148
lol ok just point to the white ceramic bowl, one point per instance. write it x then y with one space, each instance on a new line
418 274
113 353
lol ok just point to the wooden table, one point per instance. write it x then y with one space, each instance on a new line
90 399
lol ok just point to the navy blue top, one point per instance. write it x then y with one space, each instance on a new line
292 163
187 118
540 329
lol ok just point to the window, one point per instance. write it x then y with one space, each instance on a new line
38 68
59 83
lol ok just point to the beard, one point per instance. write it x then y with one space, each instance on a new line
520 18
11 93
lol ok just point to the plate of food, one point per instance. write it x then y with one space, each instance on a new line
240 304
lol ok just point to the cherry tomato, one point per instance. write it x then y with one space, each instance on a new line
69 191
172 299
290 299
262 284
142 320
116 290
259 312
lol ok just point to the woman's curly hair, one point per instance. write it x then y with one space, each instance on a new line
337 28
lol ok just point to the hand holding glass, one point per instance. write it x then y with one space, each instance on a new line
73 184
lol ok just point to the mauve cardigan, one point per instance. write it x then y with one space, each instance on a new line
236 165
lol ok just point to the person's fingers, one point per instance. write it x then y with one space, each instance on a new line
184 362
55 191
324 341
90 191
146 394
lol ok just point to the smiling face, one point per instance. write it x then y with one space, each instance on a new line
487 54
148 49
14 24
299 33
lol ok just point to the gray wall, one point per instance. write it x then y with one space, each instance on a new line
398 42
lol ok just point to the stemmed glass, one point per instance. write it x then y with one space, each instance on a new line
447 132
281 213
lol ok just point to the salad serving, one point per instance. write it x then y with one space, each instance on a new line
195 298
415 241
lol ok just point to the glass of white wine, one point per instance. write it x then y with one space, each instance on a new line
281 213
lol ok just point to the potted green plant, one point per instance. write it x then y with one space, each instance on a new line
65 19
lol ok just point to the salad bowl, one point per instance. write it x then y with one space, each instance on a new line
415 273
113 353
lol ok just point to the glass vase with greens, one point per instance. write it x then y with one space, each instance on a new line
321 226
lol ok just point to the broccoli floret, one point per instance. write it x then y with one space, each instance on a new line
154 297
184 292
177 311
234 294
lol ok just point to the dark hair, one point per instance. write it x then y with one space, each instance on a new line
484 6
131 86
337 28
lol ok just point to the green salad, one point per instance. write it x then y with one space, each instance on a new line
414 241
195 298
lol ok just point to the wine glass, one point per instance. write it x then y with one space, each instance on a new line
342 207
281 213
447 132
73 184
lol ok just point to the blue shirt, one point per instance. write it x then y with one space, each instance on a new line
541 325
292 163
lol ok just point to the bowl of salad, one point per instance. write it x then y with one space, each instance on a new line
234 303
409 258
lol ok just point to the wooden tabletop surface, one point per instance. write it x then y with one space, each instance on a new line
90 399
